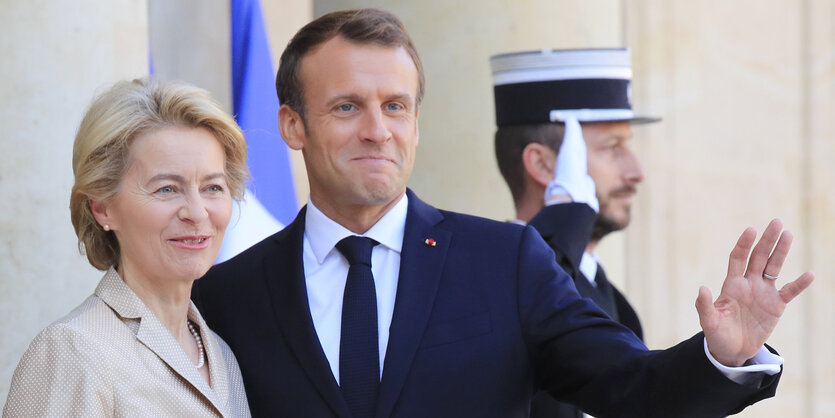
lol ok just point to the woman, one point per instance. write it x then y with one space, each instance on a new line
156 169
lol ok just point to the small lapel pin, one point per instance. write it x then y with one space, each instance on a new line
430 242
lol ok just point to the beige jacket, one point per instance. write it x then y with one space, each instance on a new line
112 357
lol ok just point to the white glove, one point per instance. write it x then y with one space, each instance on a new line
571 175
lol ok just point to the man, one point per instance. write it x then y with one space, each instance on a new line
542 99
439 314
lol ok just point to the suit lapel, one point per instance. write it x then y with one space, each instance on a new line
421 265
217 364
284 275
156 337
152 333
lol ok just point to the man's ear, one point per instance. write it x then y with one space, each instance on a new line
292 128
539 161
417 125
101 213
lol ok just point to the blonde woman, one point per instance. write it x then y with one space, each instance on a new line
157 167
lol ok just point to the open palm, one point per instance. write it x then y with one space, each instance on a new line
747 310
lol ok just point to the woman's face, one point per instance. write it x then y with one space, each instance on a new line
172 207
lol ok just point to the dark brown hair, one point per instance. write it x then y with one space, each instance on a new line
362 26
510 142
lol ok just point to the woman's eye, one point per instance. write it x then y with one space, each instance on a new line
215 188
166 189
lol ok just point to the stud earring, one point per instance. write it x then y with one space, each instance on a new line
106 227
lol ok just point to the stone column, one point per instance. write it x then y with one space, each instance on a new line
56 56
745 90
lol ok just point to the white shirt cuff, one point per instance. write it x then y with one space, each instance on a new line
763 362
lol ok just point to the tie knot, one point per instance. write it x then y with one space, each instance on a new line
356 249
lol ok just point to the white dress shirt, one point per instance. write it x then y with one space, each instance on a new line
326 271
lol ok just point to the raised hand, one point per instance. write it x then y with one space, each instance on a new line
739 322
571 175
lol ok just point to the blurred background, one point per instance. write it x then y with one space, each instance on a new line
746 90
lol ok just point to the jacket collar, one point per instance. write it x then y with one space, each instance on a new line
150 331
425 247
284 277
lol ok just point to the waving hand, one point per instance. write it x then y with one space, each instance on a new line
739 322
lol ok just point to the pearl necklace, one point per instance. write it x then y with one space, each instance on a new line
199 341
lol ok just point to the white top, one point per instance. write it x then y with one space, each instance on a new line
326 272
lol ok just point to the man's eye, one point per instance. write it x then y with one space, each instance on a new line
346 107
394 107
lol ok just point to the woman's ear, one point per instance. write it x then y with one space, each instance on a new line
539 161
292 127
102 215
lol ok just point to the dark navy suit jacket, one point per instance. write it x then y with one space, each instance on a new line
481 321
567 228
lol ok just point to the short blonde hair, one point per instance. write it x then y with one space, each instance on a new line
102 147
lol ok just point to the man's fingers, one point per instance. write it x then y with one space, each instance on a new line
761 252
704 306
739 255
778 256
791 290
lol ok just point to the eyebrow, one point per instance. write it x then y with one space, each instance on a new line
401 96
342 97
617 138
356 98
180 179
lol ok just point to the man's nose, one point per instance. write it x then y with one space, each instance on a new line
374 127
633 171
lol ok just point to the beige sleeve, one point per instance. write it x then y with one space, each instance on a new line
61 374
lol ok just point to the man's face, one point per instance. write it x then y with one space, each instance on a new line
616 172
361 132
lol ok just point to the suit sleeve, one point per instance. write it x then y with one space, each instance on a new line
60 375
567 228
583 357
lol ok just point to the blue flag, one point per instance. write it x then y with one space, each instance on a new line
270 198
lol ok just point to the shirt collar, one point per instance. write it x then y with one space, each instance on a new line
323 233
588 266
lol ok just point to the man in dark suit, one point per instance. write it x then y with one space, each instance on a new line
373 303
575 196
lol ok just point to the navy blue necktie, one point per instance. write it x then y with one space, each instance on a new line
359 359
606 293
